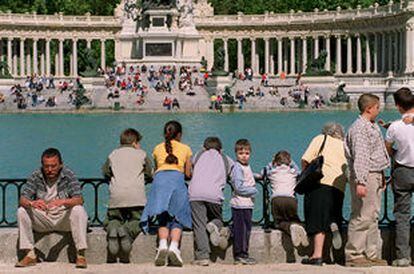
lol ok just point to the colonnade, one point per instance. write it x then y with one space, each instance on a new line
27 56
346 54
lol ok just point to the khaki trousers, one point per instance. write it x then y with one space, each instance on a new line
74 220
364 238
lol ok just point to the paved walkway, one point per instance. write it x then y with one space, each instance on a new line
218 268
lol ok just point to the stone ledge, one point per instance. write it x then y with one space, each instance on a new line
272 247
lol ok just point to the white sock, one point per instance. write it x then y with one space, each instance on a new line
174 245
163 244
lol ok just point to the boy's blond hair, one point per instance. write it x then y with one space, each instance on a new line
367 100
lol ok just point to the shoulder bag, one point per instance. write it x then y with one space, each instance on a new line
311 176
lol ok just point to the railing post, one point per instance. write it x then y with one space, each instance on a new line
266 214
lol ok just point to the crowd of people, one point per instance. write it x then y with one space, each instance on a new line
51 200
141 79
33 91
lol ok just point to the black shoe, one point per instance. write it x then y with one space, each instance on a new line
313 261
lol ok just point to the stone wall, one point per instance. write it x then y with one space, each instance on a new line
267 247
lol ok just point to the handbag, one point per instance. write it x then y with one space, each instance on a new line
311 176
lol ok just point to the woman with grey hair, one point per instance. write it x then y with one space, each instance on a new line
323 203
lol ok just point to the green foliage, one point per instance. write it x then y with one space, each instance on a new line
106 7
69 7
4 70
278 6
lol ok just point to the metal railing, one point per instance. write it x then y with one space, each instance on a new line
96 203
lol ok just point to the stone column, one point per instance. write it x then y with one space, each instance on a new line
75 57
28 59
375 57
390 53
383 65
103 58
42 58
253 55
272 58
349 54
9 54
266 58
279 55
35 58
316 47
359 54
285 57
47 56
401 48
367 55
178 50
304 54
409 47
240 61
226 55
338 54
15 61
61 71
292 56
209 53
328 53
57 65
22 68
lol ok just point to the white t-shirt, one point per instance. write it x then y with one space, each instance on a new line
402 135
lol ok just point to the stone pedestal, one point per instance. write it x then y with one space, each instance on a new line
157 39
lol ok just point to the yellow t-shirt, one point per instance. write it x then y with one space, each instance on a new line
335 165
181 151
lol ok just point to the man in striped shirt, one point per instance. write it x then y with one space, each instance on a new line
51 200
367 158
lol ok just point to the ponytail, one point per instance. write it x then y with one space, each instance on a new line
171 131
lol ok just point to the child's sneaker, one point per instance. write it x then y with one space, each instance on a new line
161 257
224 237
125 239
214 233
336 236
298 235
174 257
244 261
113 242
202 262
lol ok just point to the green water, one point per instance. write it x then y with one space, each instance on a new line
85 140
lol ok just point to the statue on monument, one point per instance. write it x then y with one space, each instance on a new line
157 4
186 13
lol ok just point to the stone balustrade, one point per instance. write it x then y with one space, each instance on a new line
300 17
33 20
363 41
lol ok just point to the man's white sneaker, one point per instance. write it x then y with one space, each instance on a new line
161 257
336 236
174 257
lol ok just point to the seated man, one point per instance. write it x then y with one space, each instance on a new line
51 200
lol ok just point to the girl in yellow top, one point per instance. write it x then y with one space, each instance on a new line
168 197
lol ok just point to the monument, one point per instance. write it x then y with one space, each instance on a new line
158 32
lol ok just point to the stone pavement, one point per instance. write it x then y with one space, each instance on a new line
63 268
